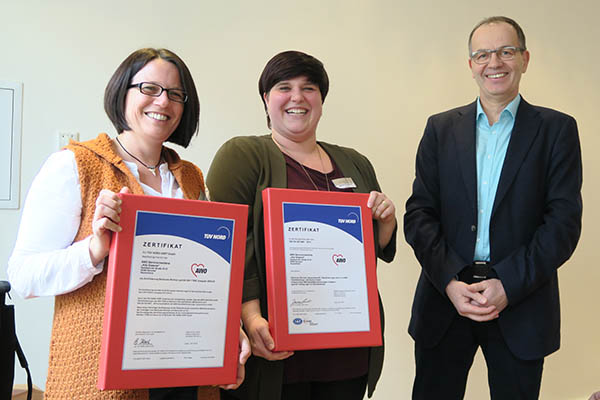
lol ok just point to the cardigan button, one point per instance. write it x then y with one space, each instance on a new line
473 228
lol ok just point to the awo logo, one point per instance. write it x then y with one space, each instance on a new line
338 259
198 269
297 321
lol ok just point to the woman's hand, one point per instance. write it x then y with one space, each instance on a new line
384 211
257 327
106 220
244 353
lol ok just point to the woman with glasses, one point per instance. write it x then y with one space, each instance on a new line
72 209
292 87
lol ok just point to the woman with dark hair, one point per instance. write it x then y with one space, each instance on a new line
72 208
293 86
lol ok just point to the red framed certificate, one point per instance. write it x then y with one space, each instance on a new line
321 271
173 294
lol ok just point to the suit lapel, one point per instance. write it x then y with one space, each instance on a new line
524 132
464 135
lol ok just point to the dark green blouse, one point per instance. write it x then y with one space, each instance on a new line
240 170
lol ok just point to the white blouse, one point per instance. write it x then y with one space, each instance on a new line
45 261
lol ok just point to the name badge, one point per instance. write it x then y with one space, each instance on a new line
344 183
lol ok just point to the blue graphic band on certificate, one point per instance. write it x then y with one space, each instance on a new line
325 268
179 291
214 233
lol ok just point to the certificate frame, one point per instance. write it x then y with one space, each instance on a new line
111 374
277 292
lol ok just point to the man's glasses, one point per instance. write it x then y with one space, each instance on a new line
504 53
155 90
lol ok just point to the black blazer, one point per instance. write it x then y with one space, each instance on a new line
534 227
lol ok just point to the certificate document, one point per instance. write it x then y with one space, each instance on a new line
325 268
177 306
173 294
320 249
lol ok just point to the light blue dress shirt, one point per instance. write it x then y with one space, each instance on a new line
492 143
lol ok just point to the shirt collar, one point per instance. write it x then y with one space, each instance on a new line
511 108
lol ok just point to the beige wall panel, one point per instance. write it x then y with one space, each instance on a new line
391 65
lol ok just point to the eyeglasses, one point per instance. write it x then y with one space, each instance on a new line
504 53
155 90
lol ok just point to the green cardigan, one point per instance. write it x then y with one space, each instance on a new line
240 170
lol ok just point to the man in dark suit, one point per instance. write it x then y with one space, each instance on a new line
495 211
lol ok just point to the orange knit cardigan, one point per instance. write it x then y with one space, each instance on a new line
77 325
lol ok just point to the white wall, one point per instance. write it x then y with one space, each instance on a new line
391 64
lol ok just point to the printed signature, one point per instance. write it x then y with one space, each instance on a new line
302 302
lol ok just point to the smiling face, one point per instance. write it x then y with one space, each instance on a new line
498 80
154 117
294 106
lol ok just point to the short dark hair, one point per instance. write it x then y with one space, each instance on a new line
496 19
116 92
291 64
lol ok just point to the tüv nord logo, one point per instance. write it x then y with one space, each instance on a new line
338 259
198 269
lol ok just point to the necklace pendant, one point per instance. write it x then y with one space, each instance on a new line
153 170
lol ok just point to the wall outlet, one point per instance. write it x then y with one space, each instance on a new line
65 136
